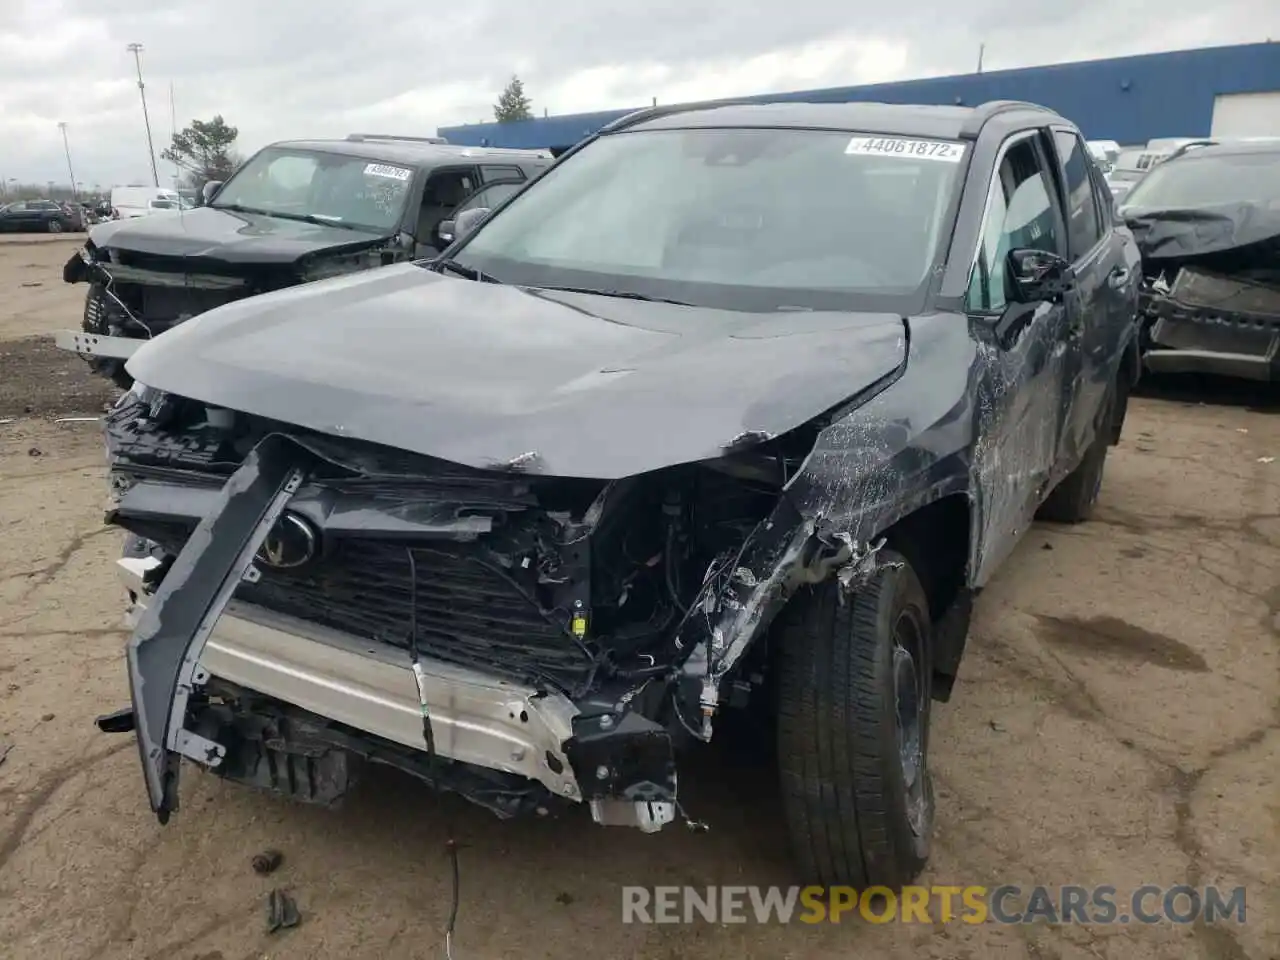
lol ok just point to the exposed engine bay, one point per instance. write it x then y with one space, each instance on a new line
598 599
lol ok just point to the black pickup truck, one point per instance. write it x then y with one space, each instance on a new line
295 211
736 407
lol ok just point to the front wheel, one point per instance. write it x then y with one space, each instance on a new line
854 699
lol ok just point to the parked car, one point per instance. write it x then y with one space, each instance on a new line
36 216
1105 153
296 211
701 419
1207 222
140 201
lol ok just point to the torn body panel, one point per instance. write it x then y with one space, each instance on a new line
164 651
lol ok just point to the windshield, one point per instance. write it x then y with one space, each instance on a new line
310 184
1196 180
745 219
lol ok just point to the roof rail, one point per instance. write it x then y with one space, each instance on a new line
667 110
392 136
985 111
1182 148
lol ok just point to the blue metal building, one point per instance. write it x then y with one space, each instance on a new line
1216 90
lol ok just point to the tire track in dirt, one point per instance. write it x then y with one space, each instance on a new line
46 787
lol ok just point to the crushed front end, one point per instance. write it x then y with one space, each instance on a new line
134 295
306 605
1210 300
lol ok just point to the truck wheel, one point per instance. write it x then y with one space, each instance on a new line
854 697
1073 499
55 226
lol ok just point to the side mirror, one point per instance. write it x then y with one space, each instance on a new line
1037 275
468 220
209 191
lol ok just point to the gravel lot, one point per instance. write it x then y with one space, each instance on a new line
1117 721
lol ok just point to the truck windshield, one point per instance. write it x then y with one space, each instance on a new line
755 219
314 185
1205 180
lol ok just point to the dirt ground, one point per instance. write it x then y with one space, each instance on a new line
1117 721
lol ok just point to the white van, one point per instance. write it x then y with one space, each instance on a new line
128 202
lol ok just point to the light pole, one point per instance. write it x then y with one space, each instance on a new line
136 50
62 125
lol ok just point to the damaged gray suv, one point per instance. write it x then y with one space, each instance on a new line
736 407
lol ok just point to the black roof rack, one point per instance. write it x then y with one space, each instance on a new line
359 137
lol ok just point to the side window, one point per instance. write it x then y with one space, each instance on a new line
1019 215
489 195
493 171
1083 227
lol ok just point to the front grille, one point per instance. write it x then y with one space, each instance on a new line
468 610
167 305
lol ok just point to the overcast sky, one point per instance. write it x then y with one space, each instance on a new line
291 68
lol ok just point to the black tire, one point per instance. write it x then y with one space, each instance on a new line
854 813
55 226
1073 499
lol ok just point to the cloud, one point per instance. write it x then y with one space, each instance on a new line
303 68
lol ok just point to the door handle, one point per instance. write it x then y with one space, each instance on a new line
1118 277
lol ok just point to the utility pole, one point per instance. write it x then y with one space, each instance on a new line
982 48
62 125
136 50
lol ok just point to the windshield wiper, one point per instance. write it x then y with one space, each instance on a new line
237 208
310 218
461 269
619 294
303 217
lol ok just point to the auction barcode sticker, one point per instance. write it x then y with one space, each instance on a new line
383 170
947 151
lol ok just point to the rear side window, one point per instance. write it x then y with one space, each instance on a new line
494 171
1083 223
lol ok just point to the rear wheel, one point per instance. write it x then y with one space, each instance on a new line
854 703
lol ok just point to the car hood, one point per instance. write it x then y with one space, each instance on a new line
209 232
491 375
1178 234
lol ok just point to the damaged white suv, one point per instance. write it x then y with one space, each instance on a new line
736 405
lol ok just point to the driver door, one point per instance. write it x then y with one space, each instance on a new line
1023 378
